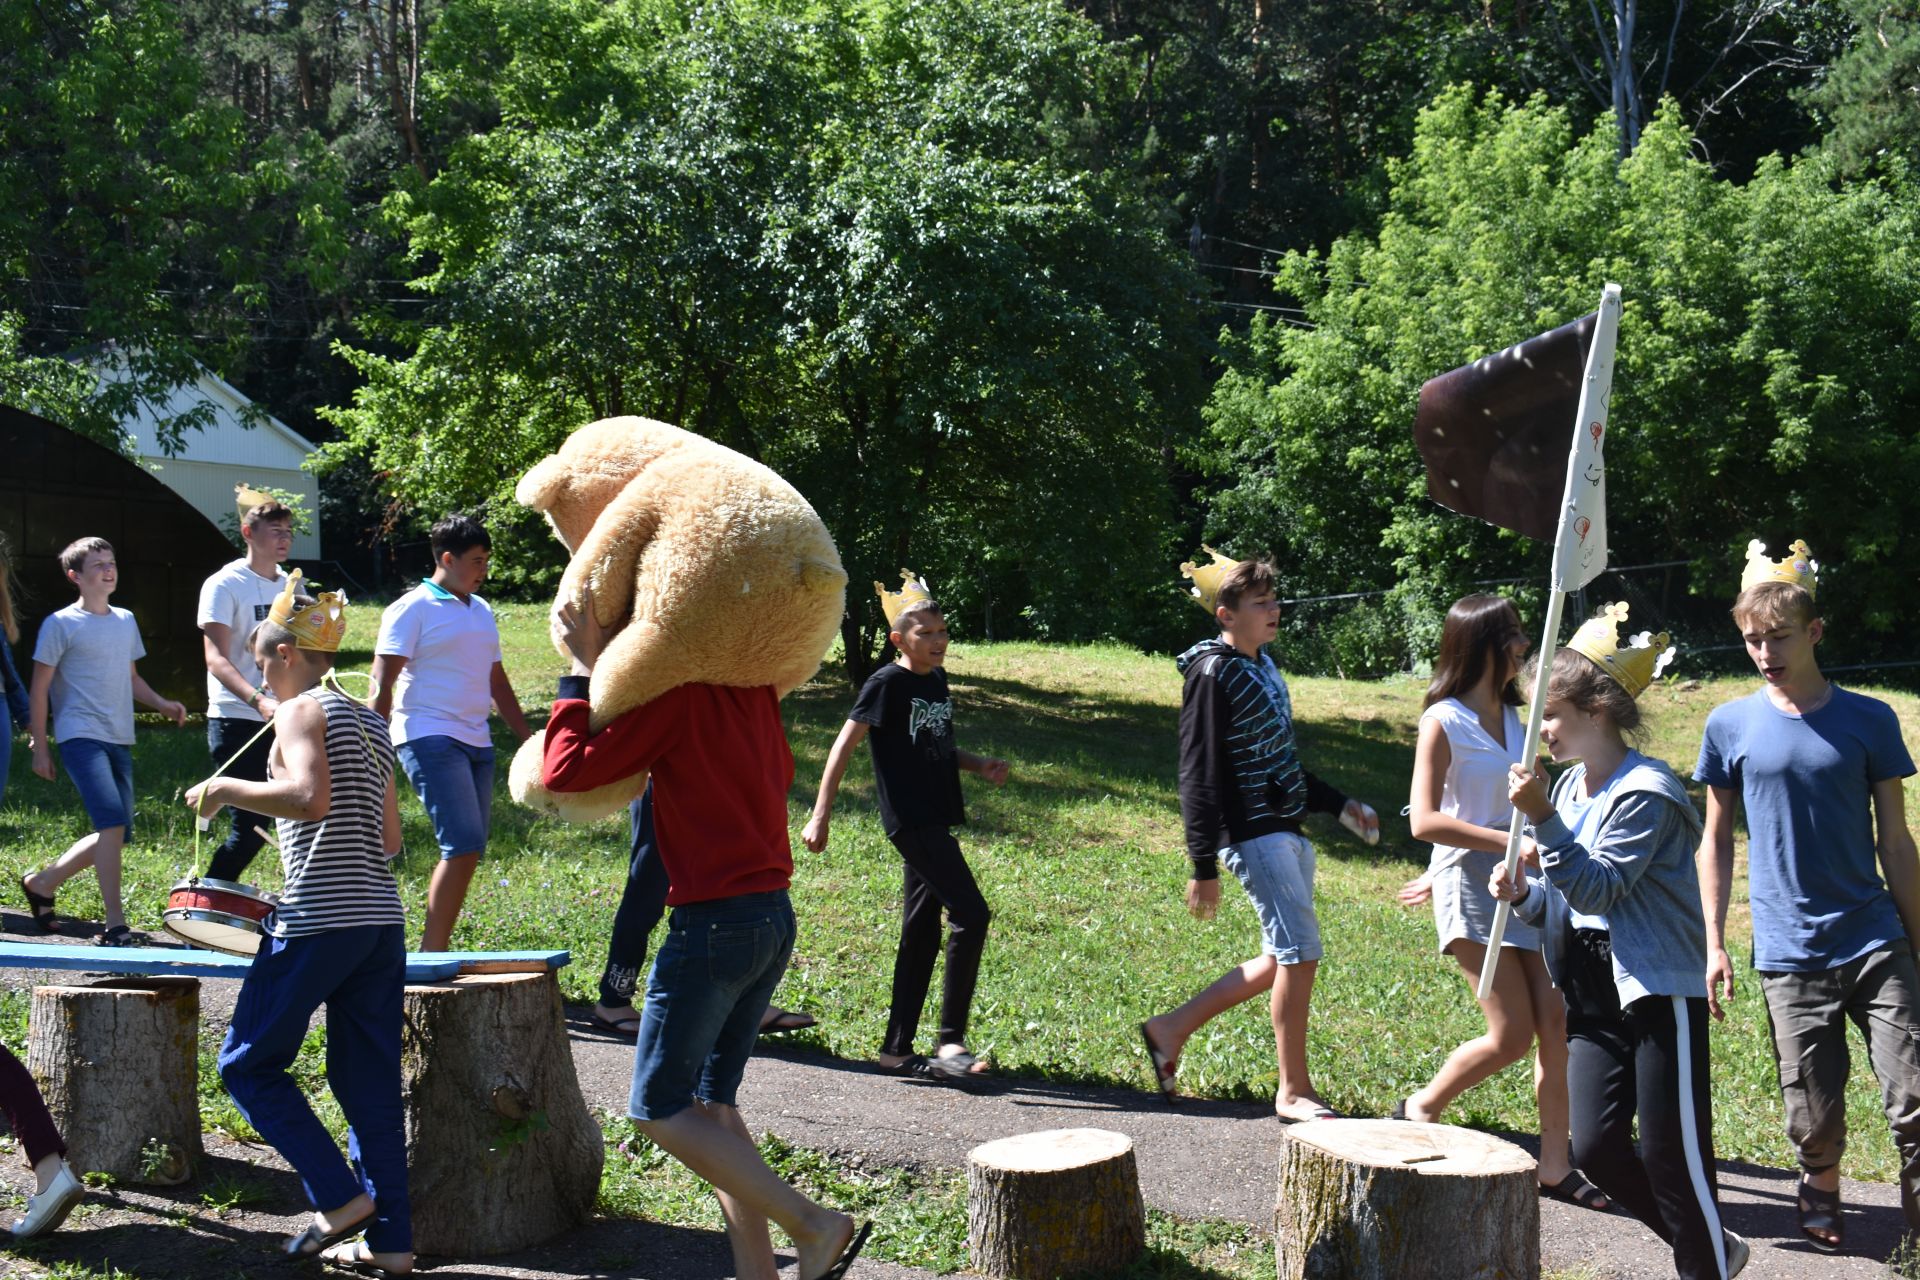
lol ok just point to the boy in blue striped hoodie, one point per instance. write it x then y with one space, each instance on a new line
1243 793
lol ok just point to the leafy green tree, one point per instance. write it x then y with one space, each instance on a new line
1869 97
1758 376
888 250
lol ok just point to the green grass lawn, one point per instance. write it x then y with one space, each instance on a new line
1080 856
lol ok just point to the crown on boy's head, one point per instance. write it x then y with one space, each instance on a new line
1205 590
913 590
1799 568
1636 666
246 499
321 625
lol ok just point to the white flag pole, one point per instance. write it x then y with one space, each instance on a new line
1567 576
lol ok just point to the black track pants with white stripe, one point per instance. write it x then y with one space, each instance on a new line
1651 1061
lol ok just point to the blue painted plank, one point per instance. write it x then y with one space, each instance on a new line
552 959
175 961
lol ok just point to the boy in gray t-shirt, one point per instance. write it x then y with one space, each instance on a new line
84 674
1818 769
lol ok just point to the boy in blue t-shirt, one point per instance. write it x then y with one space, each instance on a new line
1818 769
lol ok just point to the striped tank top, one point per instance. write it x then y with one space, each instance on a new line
336 866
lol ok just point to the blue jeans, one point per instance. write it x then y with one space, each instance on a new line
455 783
711 981
642 903
103 772
1277 872
358 973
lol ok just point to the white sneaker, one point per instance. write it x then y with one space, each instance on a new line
50 1208
1738 1251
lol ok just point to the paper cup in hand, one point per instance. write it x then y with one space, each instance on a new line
1363 824
204 822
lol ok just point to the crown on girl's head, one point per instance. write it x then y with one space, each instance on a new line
1636 666
913 590
1799 568
246 499
321 625
1205 590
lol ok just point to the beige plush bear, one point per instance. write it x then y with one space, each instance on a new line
722 572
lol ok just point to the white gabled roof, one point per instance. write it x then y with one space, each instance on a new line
270 444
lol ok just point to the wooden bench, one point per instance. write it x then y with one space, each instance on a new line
502 1151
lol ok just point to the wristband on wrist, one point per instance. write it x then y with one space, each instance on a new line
253 699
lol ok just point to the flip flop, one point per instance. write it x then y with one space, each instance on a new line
40 907
1820 1211
313 1240
355 1256
627 1028
1164 1068
1321 1112
1574 1189
841 1265
787 1020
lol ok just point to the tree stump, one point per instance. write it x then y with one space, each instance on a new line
1397 1200
1057 1203
502 1152
119 1064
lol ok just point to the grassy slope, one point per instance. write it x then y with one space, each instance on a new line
1079 856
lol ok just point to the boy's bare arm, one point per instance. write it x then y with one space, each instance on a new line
814 834
386 670
1898 858
215 637
390 843
508 704
143 693
304 792
992 768
37 720
1714 863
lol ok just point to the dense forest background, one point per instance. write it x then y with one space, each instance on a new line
1028 295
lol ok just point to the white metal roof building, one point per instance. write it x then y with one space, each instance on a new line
227 453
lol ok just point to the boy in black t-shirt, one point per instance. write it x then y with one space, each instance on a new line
906 707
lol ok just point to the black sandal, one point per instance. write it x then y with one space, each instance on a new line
914 1066
40 907
1574 1189
120 935
1820 1211
844 1262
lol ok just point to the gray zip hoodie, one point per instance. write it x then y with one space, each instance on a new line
1638 873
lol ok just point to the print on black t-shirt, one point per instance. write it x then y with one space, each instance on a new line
914 763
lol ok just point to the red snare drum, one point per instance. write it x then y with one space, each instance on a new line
219 915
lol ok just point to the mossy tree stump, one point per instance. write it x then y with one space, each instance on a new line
118 1063
1395 1200
1061 1202
502 1152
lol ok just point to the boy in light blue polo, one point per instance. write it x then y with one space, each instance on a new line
436 671
1818 769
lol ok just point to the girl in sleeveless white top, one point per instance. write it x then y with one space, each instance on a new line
1469 734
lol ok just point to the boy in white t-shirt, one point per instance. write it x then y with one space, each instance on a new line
233 602
83 669
436 670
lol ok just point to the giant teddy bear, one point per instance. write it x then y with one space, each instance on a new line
722 571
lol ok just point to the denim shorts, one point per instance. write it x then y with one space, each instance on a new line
1277 873
455 783
103 771
711 981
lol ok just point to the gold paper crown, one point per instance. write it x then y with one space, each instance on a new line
1206 578
912 591
1799 567
321 625
1636 666
246 499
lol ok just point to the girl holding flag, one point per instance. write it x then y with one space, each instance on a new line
1625 940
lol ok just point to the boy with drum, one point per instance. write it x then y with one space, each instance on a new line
335 939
